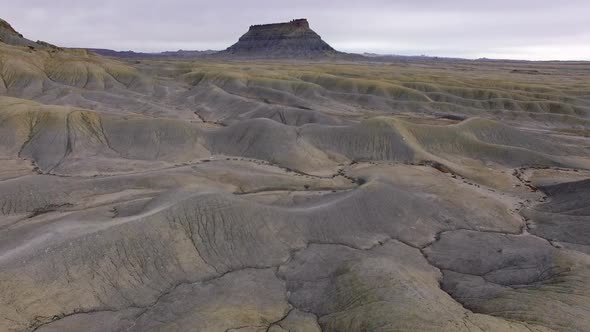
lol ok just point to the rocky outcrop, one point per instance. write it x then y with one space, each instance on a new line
292 39
8 28
10 36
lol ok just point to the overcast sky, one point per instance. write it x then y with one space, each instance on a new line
517 29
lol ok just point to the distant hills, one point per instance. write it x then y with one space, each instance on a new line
294 39
143 55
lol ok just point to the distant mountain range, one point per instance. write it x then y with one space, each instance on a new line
142 55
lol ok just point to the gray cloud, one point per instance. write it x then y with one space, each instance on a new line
539 29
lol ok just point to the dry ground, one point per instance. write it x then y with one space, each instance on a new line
209 195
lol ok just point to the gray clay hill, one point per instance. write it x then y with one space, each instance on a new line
291 39
10 36
291 195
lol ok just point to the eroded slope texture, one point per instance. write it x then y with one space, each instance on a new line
292 196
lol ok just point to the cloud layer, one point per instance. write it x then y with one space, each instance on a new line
517 29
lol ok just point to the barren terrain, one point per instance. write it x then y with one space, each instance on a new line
292 195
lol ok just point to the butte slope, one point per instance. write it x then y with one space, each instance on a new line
293 39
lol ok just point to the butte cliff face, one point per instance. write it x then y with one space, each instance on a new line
292 39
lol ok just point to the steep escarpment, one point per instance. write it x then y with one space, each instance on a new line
292 39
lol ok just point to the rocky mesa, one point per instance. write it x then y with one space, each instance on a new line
291 39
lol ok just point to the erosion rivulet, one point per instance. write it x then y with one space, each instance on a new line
291 195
